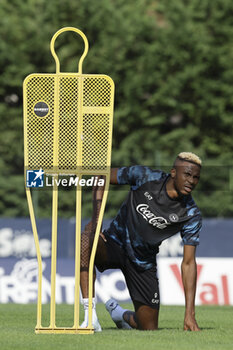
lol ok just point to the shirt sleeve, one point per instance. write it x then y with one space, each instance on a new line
191 231
137 175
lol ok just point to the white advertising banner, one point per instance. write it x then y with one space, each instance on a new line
214 281
18 282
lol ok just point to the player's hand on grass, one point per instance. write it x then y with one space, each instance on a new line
190 324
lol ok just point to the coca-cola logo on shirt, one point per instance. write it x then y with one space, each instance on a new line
151 218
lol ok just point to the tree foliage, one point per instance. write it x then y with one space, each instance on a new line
171 61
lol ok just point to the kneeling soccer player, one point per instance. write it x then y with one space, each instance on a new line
157 207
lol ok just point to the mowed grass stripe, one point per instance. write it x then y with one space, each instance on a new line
17 323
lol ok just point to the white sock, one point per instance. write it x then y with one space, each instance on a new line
94 315
117 313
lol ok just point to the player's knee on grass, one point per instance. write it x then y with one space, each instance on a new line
147 318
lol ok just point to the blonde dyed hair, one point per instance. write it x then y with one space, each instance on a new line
190 157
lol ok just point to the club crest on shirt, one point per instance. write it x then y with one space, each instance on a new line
173 217
151 218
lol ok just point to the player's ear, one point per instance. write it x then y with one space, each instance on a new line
173 173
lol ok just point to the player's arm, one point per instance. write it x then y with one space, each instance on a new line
113 176
97 196
134 175
189 278
97 191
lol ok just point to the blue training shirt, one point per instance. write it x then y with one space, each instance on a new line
149 216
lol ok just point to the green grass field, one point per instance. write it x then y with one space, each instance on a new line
17 324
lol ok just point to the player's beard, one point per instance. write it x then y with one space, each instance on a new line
180 195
